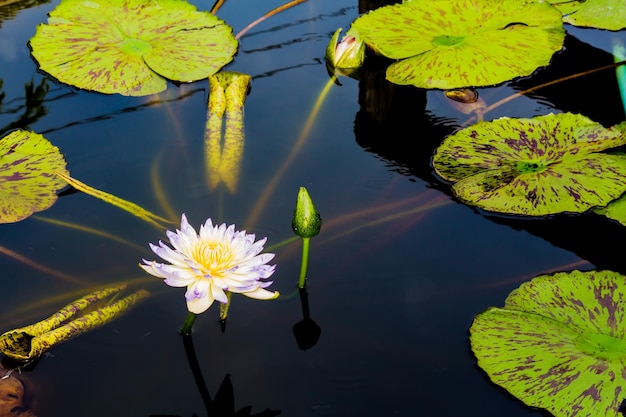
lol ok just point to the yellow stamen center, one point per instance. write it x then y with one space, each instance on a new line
215 257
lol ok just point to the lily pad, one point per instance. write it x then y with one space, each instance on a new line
540 166
27 180
615 210
451 44
131 46
559 343
601 14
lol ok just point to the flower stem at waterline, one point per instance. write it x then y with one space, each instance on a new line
188 324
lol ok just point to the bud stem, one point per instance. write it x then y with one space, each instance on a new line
304 266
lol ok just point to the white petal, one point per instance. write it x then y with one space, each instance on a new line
199 305
261 294
149 268
219 294
206 229
199 297
168 254
177 281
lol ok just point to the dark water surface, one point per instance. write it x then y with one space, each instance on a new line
397 273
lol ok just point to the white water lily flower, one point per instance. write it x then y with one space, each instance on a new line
208 263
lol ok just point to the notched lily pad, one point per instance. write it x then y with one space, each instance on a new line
451 44
559 343
545 165
131 46
27 180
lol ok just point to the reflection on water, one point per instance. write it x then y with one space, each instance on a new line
9 9
24 110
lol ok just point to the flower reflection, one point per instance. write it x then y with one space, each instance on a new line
210 263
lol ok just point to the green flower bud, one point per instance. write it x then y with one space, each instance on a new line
347 54
306 221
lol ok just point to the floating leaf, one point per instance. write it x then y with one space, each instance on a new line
27 180
544 165
601 14
559 343
131 46
462 43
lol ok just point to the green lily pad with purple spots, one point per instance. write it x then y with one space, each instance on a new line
131 47
450 44
545 165
615 210
600 14
559 343
28 182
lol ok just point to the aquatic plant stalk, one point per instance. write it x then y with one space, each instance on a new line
188 324
540 86
267 15
217 5
158 191
42 268
304 265
90 230
304 134
225 307
132 208
619 54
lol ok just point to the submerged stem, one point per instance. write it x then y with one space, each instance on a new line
304 134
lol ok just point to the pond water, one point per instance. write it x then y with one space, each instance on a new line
397 273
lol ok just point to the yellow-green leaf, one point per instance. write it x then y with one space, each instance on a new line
544 165
131 46
27 180
559 343
451 44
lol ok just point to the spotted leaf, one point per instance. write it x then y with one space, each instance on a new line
545 165
451 44
559 343
27 180
131 46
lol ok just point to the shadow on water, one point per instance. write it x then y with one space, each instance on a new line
596 95
394 124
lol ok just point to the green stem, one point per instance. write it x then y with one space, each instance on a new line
186 329
224 307
304 266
